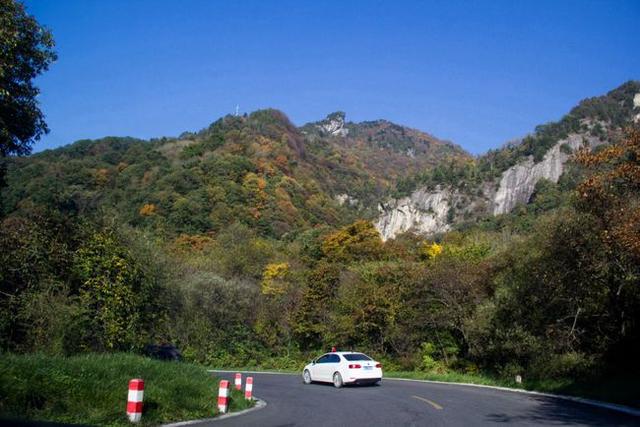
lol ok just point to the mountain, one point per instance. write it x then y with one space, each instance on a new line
263 171
494 184
258 169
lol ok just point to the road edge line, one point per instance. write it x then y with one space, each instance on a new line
591 402
259 405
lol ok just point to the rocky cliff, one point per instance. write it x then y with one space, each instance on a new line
429 212
423 212
333 125
518 182
595 121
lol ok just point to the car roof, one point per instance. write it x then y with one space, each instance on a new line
344 352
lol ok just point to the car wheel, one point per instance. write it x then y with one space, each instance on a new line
337 380
306 376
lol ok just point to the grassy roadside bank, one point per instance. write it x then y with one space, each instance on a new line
619 390
92 389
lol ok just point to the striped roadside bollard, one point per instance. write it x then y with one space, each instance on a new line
223 396
238 382
248 388
134 401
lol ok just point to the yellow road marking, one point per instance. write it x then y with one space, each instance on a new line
434 404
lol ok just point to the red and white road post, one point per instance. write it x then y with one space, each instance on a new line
248 388
223 396
134 402
238 382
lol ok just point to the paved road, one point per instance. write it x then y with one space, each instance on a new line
403 403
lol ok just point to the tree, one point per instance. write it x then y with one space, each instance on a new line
119 299
26 50
359 240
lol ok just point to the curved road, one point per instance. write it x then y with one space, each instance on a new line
405 403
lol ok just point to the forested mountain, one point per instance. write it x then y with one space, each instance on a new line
252 242
258 169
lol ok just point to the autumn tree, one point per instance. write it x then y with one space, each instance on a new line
611 194
359 240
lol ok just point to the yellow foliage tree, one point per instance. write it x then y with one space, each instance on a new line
359 240
431 250
148 209
102 176
273 278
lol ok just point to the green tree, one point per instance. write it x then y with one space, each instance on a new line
26 50
120 301
312 317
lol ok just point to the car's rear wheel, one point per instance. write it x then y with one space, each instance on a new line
306 376
337 380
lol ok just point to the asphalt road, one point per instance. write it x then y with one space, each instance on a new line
403 403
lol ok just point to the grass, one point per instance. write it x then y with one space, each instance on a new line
92 389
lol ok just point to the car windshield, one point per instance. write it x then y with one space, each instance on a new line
356 356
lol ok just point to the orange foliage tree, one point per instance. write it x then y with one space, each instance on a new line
612 193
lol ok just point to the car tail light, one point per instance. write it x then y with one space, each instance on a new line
379 365
355 366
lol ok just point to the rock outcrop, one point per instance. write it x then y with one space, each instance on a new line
593 122
423 212
333 125
428 212
518 182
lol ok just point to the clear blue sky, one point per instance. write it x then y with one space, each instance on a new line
477 73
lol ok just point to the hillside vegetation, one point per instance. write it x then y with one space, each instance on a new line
249 243
92 389
604 117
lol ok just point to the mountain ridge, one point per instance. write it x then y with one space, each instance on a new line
264 171
442 203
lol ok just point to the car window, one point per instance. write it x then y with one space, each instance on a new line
334 358
356 356
323 359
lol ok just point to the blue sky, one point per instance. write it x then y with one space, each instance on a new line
478 73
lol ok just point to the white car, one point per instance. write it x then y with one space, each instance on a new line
343 367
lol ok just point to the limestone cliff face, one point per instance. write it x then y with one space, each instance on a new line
333 125
592 122
518 182
422 212
428 212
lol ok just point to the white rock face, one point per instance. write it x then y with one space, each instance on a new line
345 198
519 181
334 126
636 104
423 212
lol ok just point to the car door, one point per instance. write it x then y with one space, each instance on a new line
318 369
332 365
